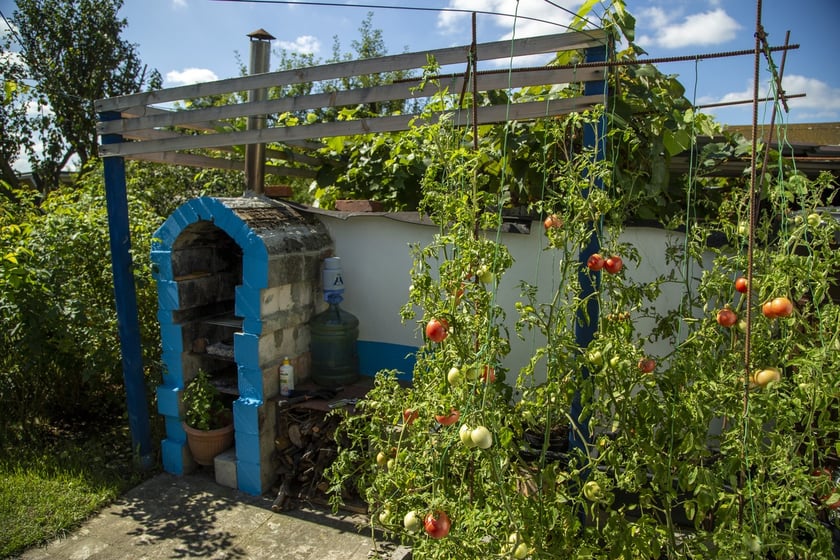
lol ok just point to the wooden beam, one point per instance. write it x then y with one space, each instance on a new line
486 115
406 89
287 155
206 162
453 55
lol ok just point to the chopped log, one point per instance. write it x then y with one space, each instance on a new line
306 447
282 499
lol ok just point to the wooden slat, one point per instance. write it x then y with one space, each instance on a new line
288 155
194 160
486 115
453 55
402 90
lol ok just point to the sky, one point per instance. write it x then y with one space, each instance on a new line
191 41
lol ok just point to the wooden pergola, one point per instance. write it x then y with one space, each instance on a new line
157 126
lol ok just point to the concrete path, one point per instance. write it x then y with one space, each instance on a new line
193 517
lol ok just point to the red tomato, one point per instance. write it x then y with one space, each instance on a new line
488 374
437 524
553 221
437 330
448 419
595 262
741 285
613 264
767 309
410 415
459 293
726 317
781 306
647 365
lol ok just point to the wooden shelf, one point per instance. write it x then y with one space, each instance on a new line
224 320
356 390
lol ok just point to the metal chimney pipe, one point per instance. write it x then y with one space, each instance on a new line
255 153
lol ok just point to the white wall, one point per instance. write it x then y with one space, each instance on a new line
374 250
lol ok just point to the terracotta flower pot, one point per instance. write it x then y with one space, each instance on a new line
206 444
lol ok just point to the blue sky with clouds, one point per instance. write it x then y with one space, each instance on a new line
198 40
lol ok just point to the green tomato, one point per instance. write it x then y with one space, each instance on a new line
485 276
381 459
454 377
752 543
465 433
592 491
518 549
814 219
482 437
595 358
615 361
412 522
385 515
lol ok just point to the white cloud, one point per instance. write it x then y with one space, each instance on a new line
821 101
189 76
554 18
707 28
305 44
545 19
179 4
819 95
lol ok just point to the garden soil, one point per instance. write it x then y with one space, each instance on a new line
191 516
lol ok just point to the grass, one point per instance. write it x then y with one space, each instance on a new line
58 476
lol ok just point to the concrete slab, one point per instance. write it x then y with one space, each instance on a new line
192 516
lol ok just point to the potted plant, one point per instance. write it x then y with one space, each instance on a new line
207 421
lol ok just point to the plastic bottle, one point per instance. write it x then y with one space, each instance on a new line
287 378
332 281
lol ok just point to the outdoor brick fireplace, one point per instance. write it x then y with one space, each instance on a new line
237 281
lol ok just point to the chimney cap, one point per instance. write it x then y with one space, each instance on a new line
261 35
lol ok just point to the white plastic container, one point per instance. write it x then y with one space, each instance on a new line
287 378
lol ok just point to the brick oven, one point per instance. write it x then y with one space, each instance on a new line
238 280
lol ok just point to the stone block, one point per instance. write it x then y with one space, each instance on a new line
169 400
276 299
224 466
176 457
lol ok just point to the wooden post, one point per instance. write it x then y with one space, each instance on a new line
586 322
125 296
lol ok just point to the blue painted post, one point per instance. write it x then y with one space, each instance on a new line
125 295
586 322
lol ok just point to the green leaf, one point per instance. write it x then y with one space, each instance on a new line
676 142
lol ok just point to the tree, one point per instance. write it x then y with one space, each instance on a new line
70 54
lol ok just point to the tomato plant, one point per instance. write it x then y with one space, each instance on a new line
647 365
582 425
726 317
781 307
437 524
412 522
553 221
613 264
595 262
410 415
448 419
437 330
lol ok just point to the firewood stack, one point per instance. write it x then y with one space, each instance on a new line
305 445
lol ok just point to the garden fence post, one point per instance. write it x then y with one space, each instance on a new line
125 297
586 321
